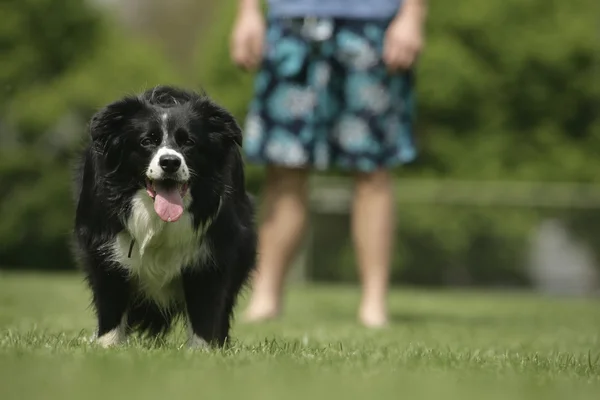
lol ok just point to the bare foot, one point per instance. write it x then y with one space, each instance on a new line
260 311
373 316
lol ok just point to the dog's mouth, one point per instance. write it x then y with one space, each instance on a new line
168 197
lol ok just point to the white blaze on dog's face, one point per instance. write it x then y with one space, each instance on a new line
167 177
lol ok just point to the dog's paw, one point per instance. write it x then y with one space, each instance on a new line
195 342
110 339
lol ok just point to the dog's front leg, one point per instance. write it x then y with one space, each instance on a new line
111 297
205 300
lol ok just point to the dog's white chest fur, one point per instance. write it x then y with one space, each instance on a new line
161 250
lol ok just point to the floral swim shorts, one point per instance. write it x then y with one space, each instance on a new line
323 98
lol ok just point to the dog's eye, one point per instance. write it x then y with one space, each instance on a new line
183 137
146 142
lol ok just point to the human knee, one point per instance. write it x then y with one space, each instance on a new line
380 179
283 179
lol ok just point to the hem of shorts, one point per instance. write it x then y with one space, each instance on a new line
395 163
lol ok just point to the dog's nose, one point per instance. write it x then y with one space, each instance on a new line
169 163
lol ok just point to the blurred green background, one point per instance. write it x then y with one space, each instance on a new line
508 90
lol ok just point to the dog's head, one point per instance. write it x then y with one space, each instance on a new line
162 141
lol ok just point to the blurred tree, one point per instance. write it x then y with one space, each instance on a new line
174 26
516 83
41 39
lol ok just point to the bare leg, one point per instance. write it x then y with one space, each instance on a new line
373 225
284 208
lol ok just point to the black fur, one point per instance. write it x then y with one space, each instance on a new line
112 171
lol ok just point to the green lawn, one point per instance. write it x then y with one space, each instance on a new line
442 344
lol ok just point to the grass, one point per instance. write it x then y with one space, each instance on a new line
441 344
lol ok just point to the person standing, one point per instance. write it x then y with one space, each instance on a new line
334 89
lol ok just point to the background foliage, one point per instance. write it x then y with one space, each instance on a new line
507 89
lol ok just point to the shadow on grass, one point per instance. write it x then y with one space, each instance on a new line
404 318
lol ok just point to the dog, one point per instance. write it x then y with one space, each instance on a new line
164 227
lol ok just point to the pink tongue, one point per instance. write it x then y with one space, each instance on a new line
168 204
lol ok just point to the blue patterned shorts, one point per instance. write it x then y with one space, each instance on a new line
323 99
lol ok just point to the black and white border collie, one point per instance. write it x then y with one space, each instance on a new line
164 226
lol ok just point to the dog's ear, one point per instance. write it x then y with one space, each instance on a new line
112 118
220 123
232 130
